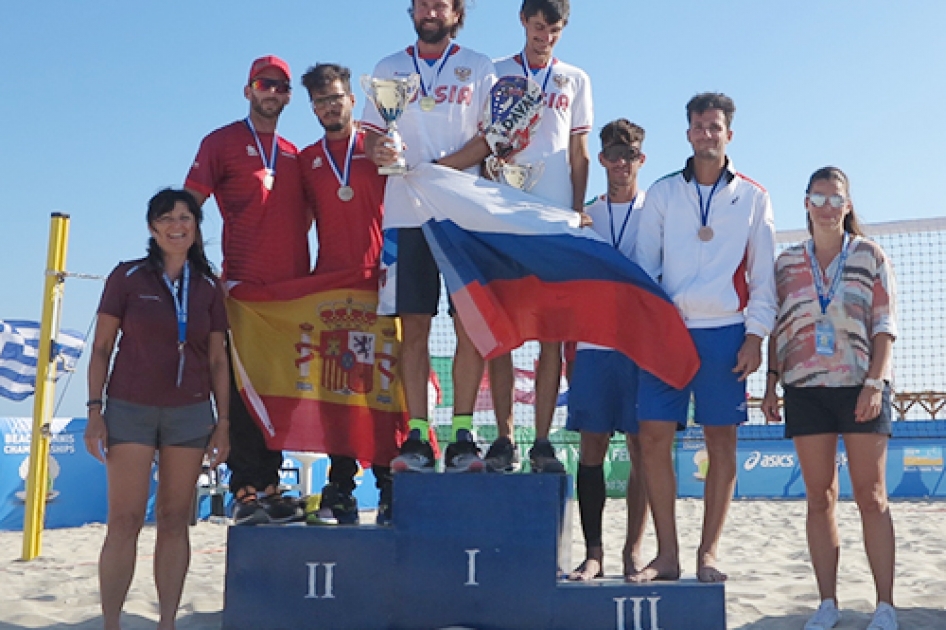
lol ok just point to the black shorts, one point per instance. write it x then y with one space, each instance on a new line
820 410
417 284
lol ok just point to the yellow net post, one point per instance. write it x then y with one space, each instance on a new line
37 482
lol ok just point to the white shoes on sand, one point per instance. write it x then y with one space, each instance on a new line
827 616
885 618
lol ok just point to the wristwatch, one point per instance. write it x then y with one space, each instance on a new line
875 383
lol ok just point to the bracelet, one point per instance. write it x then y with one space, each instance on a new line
772 373
95 402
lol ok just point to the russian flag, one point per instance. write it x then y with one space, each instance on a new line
518 268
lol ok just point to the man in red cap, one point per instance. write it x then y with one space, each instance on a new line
255 177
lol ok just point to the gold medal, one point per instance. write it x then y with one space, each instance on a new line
345 193
427 103
705 234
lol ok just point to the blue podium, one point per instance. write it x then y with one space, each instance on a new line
470 551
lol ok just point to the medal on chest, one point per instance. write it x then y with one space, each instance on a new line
345 192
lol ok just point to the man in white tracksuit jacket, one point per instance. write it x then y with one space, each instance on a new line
707 236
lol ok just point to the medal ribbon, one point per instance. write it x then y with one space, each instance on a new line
825 298
704 212
344 176
269 165
180 308
530 74
620 237
443 61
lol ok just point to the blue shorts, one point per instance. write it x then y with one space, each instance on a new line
719 398
602 395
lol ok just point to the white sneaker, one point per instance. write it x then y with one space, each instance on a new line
827 616
885 618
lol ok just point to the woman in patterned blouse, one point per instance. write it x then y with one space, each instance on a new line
831 351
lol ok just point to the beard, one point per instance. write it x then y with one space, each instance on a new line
267 107
432 37
336 125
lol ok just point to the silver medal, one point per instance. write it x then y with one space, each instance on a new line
346 193
268 180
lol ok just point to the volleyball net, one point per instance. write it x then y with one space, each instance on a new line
917 249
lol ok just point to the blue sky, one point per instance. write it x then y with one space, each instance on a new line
106 102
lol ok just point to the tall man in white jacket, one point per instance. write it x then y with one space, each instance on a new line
707 236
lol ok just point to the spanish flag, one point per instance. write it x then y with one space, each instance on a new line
317 366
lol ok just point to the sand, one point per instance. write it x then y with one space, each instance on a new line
771 584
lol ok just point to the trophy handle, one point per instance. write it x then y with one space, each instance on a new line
538 168
492 167
413 84
366 84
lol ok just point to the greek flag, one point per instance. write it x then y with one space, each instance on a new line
19 352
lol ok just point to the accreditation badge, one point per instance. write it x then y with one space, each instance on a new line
824 337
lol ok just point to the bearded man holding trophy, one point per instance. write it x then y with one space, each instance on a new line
441 91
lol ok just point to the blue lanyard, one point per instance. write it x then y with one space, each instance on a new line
823 298
620 238
180 308
270 163
443 61
704 212
529 74
345 175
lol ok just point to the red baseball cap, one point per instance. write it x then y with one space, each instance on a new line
269 61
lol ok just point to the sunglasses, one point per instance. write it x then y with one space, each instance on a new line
331 100
617 152
818 200
267 85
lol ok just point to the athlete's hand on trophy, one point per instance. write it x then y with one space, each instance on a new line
385 153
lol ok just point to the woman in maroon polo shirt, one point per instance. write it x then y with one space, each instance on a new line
171 358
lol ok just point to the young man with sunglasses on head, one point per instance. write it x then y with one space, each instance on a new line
440 125
602 396
561 144
707 235
254 175
346 194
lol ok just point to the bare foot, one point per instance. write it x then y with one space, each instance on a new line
706 570
633 563
659 569
588 570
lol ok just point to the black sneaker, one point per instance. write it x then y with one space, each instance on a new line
463 457
342 505
384 507
502 456
543 460
416 456
250 512
283 509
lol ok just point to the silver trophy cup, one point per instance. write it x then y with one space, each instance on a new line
521 176
390 97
